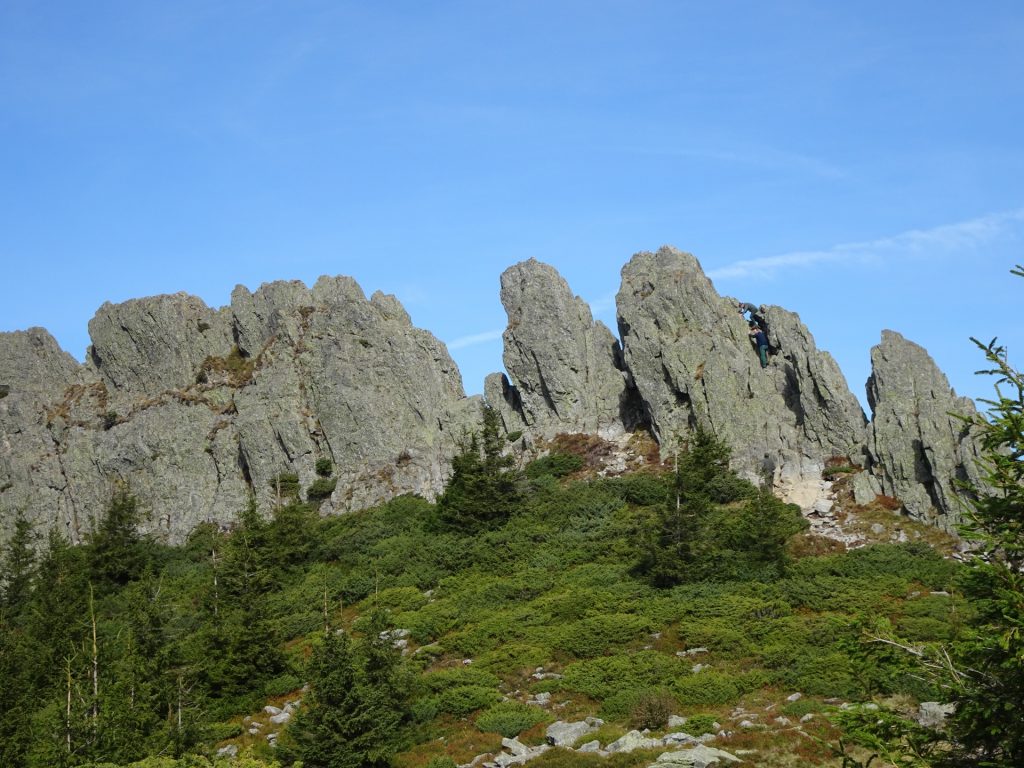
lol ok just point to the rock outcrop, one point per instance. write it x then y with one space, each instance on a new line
917 447
691 359
195 410
567 368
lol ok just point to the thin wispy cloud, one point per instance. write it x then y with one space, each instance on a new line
472 340
946 238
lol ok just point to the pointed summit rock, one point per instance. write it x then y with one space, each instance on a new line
918 448
693 363
566 369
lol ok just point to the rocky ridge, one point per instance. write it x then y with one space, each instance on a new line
195 410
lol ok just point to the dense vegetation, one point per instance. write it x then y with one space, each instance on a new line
123 650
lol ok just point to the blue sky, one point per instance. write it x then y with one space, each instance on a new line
861 164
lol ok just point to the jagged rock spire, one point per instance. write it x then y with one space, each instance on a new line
689 353
918 447
566 369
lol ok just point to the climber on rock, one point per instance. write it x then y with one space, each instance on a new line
757 336
756 314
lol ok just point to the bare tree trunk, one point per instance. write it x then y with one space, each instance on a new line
216 593
95 662
67 711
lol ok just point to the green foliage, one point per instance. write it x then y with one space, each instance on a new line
717 526
357 706
117 551
708 688
321 488
555 464
286 486
893 738
18 567
324 467
484 488
987 723
510 718
603 677
596 635
698 725
463 700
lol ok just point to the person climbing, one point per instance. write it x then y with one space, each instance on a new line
760 340
756 314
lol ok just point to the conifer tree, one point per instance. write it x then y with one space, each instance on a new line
18 565
987 725
357 704
484 488
116 550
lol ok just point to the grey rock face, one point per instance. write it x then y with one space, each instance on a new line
566 368
917 449
39 382
151 345
693 363
193 409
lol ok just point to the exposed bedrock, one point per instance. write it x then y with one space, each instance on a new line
693 364
919 444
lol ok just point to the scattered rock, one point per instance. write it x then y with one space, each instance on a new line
563 734
932 714
700 756
632 741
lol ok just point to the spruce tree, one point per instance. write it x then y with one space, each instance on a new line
484 489
989 680
356 708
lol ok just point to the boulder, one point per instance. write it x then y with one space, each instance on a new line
563 734
699 756
633 741
932 714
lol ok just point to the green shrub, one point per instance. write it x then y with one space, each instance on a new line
286 485
512 658
459 676
510 718
463 700
221 731
707 688
555 464
596 635
324 467
281 685
698 725
401 599
605 676
642 490
321 488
